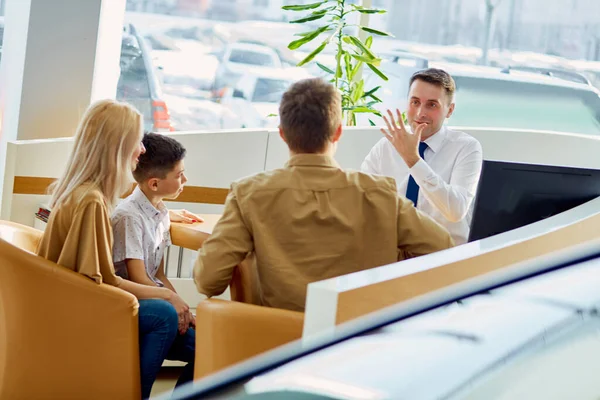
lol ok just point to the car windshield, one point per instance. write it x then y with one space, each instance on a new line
522 105
269 90
251 57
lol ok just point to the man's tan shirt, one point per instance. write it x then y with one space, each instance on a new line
308 222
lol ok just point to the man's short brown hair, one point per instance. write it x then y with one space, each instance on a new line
437 77
310 111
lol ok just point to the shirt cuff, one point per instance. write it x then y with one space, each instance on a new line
422 173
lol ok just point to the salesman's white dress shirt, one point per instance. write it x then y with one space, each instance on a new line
447 178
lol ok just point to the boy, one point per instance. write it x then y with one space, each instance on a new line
141 222
141 231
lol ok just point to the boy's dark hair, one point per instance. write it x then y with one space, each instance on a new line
162 153
437 77
310 111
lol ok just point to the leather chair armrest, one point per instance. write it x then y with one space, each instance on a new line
77 338
228 332
22 236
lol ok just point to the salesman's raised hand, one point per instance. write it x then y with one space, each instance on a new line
405 142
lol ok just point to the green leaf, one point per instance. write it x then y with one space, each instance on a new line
364 10
361 46
272 115
324 68
348 65
363 58
320 12
378 72
369 42
338 64
321 30
371 11
373 61
358 91
304 7
377 99
307 19
356 68
375 31
370 92
371 122
362 109
307 38
313 54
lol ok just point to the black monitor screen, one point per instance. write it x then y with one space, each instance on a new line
512 195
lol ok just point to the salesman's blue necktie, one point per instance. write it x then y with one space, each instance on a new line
412 190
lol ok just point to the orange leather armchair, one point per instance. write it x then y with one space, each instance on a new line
62 336
229 332
24 237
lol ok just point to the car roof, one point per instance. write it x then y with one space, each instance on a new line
485 72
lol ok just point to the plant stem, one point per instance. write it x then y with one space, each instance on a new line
339 43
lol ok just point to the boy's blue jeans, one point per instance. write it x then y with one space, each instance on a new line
160 340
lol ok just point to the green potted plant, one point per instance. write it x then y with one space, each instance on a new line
351 53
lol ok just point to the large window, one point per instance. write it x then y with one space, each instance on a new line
200 52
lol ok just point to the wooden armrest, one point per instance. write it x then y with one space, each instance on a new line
191 236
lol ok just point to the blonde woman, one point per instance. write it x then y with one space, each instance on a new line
78 236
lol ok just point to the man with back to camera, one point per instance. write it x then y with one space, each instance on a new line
437 168
312 220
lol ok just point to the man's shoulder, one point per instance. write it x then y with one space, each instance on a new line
463 138
283 178
261 180
456 135
370 181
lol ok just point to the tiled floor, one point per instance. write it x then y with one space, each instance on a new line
165 382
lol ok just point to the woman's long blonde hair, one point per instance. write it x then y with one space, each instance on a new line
106 138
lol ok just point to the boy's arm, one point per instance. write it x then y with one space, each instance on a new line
136 270
161 276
